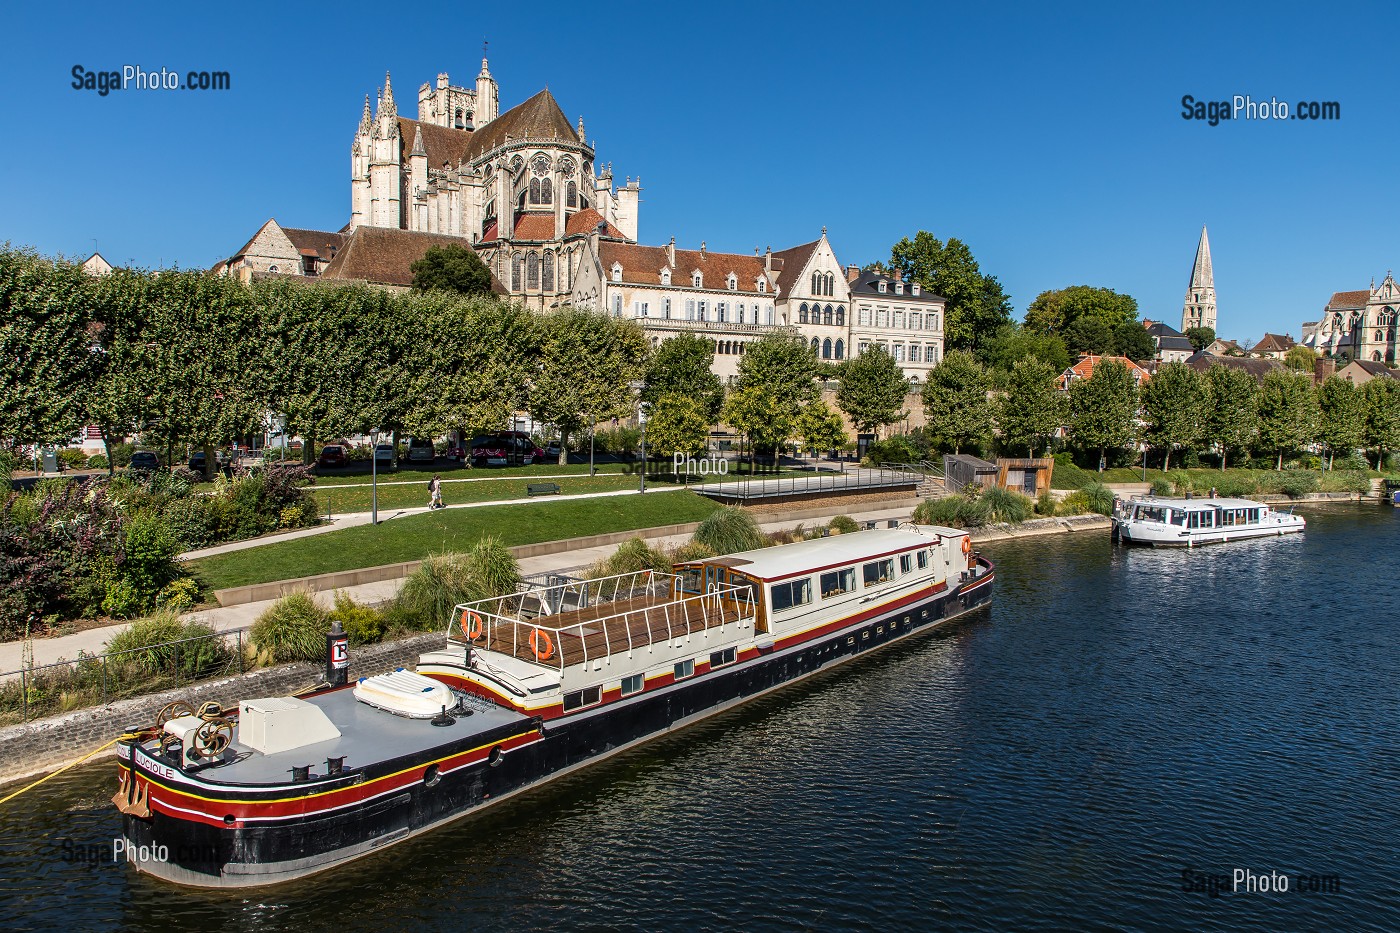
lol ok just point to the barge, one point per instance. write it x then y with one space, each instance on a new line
527 687
1169 522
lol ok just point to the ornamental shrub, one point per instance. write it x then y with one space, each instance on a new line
1162 487
291 629
73 458
728 531
363 625
160 644
149 560
843 524
97 462
1298 484
1095 497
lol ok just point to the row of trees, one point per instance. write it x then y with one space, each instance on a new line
1179 409
192 358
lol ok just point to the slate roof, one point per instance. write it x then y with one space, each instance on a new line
538 117
868 283
643 264
383 256
1257 368
1159 329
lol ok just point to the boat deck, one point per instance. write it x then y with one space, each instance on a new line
612 627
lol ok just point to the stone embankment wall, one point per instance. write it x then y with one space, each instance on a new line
45 744
1043 526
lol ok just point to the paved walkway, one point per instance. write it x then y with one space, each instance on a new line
824 481
233 618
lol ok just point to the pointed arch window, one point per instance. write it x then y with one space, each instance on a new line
571 195
827 315
816 283
516 269
830 284
816 344
826 349
546 191
549 271
532 271
840 349
534 191
802 313
840 317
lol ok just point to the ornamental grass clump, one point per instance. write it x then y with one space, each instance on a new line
728 531
632 556
165 644
444 581
1005 506
292 629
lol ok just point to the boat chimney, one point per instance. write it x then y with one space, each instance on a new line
335 765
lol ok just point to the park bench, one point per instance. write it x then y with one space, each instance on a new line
542 489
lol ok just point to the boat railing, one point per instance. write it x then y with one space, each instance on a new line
533 624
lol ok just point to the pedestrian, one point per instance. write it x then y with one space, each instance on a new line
435 489
1212 492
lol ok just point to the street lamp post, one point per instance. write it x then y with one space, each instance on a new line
642 426
374 479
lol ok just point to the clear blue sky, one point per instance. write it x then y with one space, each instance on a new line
1049 137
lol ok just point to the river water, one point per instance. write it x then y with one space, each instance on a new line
1056 762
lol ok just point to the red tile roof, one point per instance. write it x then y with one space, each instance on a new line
1349 300
443 145
384 255
317 242
1085 369
587 220
534 227
539 118
1273 343
789 263
643 264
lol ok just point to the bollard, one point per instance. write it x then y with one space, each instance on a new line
337 655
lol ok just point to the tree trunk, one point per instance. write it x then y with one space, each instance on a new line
1222 459
210 461
563 447
1280 459
107 446
1167 460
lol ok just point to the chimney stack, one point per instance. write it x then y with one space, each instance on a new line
852 273
768 262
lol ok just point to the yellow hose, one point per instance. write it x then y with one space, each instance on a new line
41 780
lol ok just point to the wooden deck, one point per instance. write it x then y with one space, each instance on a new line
597 630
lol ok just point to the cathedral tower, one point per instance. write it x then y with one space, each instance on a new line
487 96
1199 309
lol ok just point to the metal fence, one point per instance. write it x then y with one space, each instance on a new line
96 680
862 478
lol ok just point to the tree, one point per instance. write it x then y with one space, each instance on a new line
122 389
1103 408
760 415
1287 412
1030 407
1013 342
1300 358
1056 310
955 400
1231 421
819 427
1174 402
786 366
872 390
452 268
1200 337
977 306
682 366
677 424
1382 432
1090 335
587 364
1342 422
1134 342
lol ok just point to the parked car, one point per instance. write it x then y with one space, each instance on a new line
197 460
332 455
384 455
144 461
420 450
505 448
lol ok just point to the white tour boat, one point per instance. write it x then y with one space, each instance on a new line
1165 522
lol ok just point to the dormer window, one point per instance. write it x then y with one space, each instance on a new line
914 289
697 280
881 286
761 285
617 272
732 282
665 276
899 288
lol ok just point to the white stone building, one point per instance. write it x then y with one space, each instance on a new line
1359 325
1199 307
816 298
900 317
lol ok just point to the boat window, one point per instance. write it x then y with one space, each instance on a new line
906 563
692 579
838 581
1151 513
923 560
633 684
1253 516
1178 517
721 658
743 584
581 698
684 669
878 571
1195 520
793 593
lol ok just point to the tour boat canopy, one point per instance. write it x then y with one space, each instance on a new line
775 563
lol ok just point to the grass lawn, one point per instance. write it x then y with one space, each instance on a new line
420 475
416 536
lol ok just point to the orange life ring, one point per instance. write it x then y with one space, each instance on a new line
545 653
967 544
474 630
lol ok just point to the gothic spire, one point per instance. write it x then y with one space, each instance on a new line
580 127
389 108
1202 275
365 119
418 142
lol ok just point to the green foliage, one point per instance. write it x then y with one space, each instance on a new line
760 415
1005 506
178 595
1175 404
1342 410
1357 481
1181 483
72 457
894 450
1300 359
683 366
691 550
1089 335
729 531
291 629
955 401
148 642
149 564
632 556
1382 431
97 462
1133 341
363 625
977 306
1287 412
677 424
443 581
872 390
820 428
1232 414
1046 504
1067 475
1161 487
452 268
1200 337
1237 485
1298 484
1093 497
620 440
1014 342
843 524
944 511
1103 408
1057 310
1030 408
